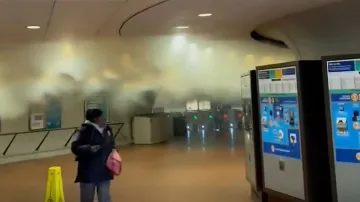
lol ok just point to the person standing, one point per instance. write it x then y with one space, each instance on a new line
92 145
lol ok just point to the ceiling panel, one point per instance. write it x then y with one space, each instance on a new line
87 18
15 16
111 28
227 15
81 18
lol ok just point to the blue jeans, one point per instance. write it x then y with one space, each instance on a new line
87 191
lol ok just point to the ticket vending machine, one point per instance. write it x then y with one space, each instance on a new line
342 79
293 131
250 125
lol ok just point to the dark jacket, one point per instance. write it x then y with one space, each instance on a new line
92 165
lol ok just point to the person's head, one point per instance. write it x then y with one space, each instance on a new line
96 116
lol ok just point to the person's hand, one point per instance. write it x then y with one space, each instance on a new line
95 148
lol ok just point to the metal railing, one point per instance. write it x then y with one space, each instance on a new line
48 131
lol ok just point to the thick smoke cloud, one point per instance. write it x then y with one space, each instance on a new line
131 70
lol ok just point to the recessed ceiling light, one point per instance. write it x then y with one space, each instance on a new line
182 27
33 27
205 15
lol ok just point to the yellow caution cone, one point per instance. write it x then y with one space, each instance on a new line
54 185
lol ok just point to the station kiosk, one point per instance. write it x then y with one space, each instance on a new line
293 132
342 104
250 126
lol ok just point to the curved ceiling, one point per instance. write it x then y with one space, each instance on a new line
329 30
103 18
65 18
230 17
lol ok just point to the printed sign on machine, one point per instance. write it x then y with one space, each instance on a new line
344 93
279 112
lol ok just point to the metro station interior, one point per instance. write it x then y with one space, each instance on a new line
231 100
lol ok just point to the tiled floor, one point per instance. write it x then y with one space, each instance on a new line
200 168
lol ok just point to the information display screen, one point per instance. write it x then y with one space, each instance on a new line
344 93
279 112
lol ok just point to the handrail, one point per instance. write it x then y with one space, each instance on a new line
71 136
117 123
42 141
47 134
8 146
111 124
36 131
45 130
118 131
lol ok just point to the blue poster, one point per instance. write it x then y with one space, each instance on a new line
98 102
279 113
53 114
344 92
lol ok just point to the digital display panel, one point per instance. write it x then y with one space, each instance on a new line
344 93
279 112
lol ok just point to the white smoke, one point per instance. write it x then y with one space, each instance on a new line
176 68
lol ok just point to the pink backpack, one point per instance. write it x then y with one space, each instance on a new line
114 162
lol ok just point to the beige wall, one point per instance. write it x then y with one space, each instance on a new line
72 115
18 144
